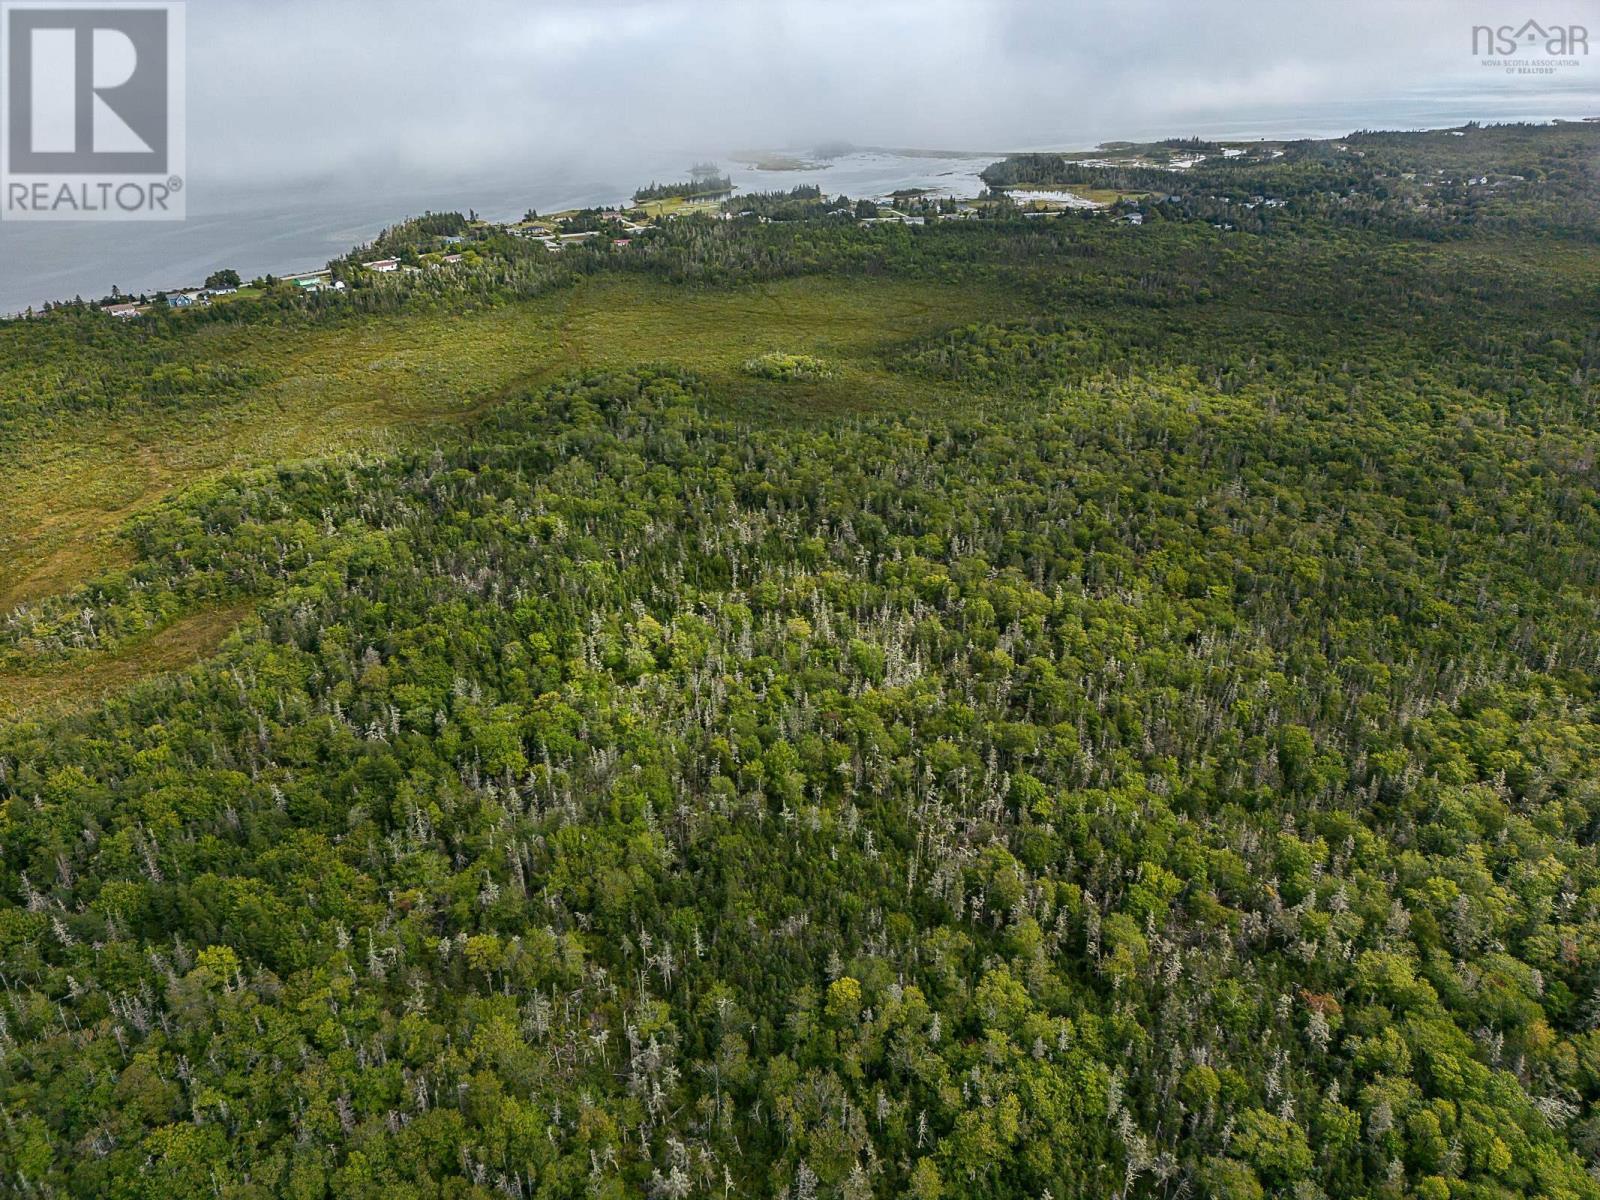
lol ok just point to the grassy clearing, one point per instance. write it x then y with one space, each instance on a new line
678 205
54 689
245 295
389 382
1107 195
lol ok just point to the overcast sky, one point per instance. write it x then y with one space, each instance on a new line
312 124
302 86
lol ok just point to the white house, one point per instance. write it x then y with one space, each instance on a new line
383 266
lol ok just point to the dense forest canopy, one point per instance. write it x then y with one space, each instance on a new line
1157 758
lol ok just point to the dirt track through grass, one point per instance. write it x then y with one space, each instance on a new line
55 687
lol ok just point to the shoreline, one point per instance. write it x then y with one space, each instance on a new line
793 163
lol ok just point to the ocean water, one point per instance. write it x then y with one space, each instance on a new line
301 225
297 225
